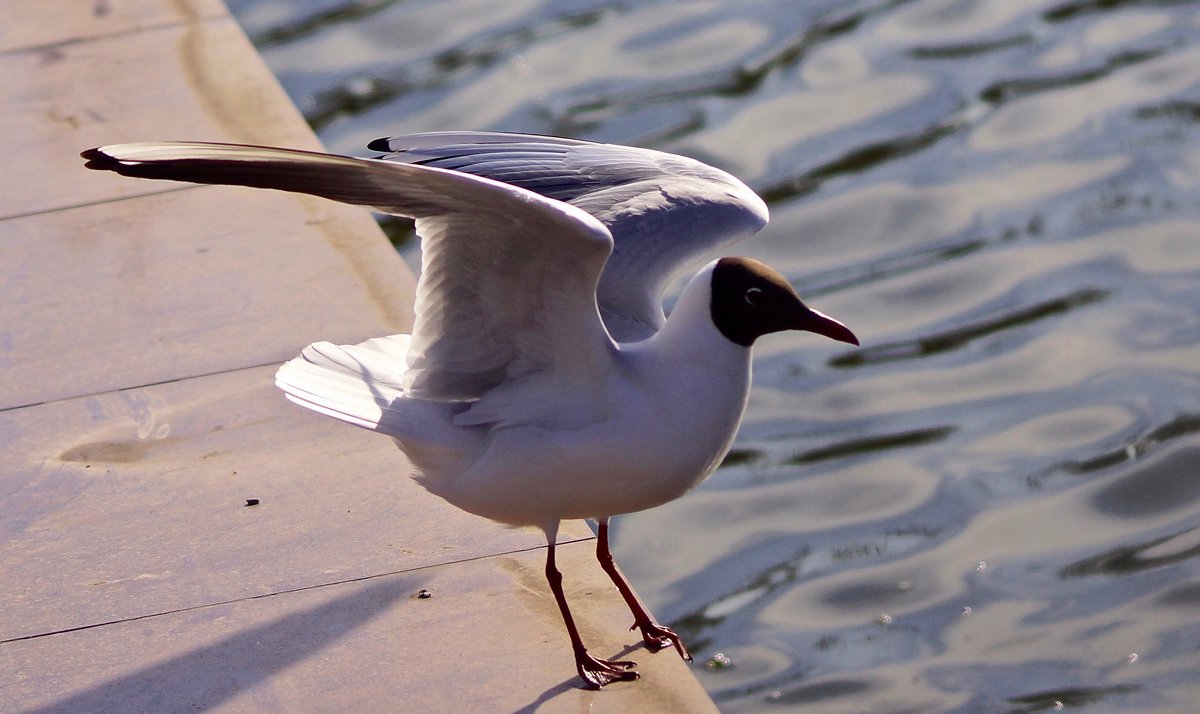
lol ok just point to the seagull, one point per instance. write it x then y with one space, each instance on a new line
542 380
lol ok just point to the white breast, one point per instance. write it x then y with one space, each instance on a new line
674 415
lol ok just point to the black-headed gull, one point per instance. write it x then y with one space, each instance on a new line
541 380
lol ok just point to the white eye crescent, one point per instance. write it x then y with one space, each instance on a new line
752 296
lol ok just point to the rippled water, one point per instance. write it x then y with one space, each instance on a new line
994 505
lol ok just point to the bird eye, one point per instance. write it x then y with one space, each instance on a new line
753 295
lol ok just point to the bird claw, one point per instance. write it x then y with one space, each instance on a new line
599 672
657 637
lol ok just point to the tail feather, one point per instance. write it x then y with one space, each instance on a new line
362 385
358 384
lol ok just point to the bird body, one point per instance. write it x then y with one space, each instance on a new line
656 423
542 380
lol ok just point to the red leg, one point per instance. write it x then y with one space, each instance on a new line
655 636
595 671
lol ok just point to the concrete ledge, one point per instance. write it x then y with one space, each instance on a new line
138 336
489 639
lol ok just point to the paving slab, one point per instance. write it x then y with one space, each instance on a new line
186 283
199 81
130 503
31 24
489 639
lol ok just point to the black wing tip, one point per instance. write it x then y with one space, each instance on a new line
97 160
383 144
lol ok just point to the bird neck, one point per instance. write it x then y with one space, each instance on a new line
689 329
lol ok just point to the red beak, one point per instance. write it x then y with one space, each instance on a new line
822 324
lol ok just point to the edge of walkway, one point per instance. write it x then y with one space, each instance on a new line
138 419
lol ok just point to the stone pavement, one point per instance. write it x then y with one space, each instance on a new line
140 327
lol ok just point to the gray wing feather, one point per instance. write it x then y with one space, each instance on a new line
664 211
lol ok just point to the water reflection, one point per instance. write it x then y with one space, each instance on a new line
1127 559
1001 197
1163 484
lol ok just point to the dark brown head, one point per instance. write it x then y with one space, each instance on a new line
750 300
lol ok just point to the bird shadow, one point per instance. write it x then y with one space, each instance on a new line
575 682
545 697
212 674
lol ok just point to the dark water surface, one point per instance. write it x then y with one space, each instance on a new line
994 505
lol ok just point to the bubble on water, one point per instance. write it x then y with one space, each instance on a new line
884 619
775 694
719 661
967 610
1058 705
1131 657
521 66
981 567
360 87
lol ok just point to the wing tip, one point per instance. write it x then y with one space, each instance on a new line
381 144
98 160
433 139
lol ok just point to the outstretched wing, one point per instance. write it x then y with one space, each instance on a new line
508 283
664 211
